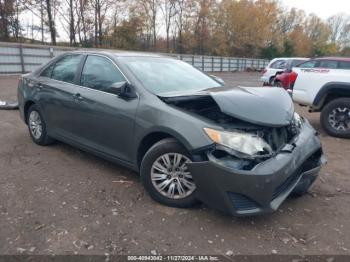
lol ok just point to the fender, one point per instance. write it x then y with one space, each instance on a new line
157 129
164 130
331 88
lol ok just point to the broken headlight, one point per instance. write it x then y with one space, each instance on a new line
244 143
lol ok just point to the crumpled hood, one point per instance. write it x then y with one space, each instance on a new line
257 105
262 106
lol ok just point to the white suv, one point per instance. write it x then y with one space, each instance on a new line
278 65
323 84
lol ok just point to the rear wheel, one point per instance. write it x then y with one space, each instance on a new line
37 127
165 174
335 117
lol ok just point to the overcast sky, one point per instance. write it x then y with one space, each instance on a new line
322 8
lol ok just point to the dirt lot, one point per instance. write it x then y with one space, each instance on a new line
59 200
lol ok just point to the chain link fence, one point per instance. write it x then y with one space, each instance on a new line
22 58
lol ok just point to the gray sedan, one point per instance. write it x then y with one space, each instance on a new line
191 138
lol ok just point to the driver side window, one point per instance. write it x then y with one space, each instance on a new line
100 73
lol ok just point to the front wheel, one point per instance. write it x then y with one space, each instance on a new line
335 117
165 174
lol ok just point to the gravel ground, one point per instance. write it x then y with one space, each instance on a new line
60 200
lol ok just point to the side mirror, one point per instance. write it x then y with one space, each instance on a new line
122 89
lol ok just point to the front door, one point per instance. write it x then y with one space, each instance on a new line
106 121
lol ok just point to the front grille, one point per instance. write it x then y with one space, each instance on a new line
241 202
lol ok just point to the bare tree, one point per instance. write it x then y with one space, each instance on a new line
151 8
71 23
201 27
100 8
81 23
51 22
180 11
221 27
9 23
169 11
339 25
4 32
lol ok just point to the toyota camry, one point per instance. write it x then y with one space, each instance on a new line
241 150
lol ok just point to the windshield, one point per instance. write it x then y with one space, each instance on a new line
167 75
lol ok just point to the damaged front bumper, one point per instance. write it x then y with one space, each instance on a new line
267 185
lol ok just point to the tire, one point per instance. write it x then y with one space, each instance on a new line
167 147
41 139
272 79
327 117
277 84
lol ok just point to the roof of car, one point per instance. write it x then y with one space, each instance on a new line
336 58
119 53
291 58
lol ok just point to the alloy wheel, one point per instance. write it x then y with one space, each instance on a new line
339 118
35 124
170 176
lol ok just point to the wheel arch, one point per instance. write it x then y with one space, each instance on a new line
329 92
272 78
152 138
27 105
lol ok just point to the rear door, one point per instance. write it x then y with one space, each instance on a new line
106 121
57 90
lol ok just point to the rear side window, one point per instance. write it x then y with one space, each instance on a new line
328 64
308 64
66 68
100 73
344 65
279 64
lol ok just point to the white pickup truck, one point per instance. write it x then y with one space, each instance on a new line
323 84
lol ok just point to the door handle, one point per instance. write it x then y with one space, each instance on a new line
77 97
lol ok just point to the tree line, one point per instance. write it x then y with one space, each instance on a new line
245 28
